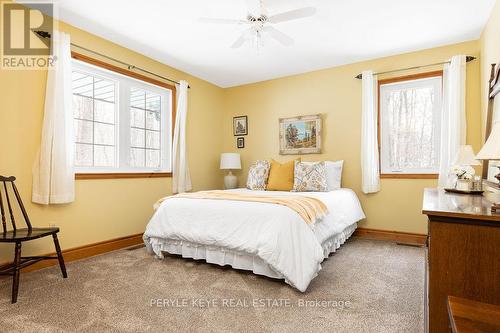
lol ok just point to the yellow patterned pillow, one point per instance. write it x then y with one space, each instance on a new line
281 176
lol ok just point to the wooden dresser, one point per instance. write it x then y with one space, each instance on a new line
463 253
471 316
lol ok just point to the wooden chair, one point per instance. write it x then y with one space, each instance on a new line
18 236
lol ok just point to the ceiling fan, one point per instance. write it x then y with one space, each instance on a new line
260 23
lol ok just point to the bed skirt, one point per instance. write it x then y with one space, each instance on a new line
235 259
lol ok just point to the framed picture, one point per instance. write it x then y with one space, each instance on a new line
240 125
300 135
240 142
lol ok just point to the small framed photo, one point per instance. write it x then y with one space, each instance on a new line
240 142
300 135
240 125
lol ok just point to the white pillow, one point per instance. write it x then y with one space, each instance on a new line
333 174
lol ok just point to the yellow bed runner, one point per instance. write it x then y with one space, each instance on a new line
310 209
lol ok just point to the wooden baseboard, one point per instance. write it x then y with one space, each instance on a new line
396 236
90 250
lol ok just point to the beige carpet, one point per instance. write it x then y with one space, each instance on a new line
379 283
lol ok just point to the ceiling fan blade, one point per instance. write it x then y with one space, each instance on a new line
292 15
238 42
279 36
254 7
244 36
219 20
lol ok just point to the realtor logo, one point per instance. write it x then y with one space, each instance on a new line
22 47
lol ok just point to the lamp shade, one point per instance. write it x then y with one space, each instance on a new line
230 161
465 156
491 148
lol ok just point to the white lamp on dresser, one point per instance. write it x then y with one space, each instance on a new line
491 148
491 151
465 156
230 161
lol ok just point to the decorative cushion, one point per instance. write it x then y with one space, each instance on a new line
281 176
333 174
310 177
257 175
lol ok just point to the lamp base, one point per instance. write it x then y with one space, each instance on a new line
230 181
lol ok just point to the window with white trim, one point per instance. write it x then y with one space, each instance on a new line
410 115
122 124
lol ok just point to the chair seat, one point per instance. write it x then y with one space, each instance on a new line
25 234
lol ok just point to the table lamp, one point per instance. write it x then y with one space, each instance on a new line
230 161
491 151
491 148
465 156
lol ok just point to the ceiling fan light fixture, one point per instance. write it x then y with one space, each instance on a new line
261 24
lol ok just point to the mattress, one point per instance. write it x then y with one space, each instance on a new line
268 239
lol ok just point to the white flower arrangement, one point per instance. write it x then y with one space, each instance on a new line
463 172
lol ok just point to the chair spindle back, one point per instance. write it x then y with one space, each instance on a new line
5 190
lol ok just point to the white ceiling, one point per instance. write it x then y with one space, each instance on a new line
341 32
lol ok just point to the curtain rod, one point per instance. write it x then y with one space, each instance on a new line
45 34
467 59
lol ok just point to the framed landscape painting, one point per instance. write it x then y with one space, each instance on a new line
300 135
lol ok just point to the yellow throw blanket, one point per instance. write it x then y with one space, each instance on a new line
310 209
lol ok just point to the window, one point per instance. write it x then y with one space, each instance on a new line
94 112
145 129
122 124
409 119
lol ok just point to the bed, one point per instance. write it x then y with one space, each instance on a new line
267 239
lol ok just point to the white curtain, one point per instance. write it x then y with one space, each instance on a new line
53 172
369 144
181 181
453 121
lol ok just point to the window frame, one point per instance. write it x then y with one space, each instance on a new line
432 74
136 76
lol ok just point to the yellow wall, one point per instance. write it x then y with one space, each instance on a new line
104 209
490 54
336 94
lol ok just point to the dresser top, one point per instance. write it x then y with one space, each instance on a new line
471 316
437 202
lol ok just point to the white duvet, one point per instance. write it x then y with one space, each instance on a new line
274 233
